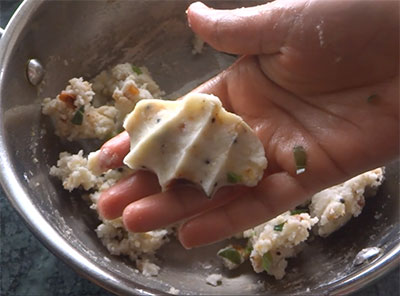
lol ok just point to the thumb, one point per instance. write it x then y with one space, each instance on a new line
254 30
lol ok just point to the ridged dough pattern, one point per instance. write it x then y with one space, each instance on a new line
194 139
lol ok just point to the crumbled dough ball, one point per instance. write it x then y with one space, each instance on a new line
335 206
74 172
330 209
101 118
95 123
107 82
278 237
119 241
123 86
194 139
143 245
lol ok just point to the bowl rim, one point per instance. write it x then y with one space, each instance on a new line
19 198
60 247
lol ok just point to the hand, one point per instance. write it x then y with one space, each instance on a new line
332 89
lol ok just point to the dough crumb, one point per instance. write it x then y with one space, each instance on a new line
214 279
174 291
198 45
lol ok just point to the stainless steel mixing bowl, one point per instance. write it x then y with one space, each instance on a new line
72 38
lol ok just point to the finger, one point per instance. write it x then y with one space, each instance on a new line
252 30
163 209
280 192
112 153
113 201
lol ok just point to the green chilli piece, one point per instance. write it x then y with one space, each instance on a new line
231 254
77 119
233 178
300 158
267 261
136 70
279 227
298 211
248 250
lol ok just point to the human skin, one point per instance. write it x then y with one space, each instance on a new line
319 74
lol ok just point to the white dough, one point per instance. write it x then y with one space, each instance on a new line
335 206
281 243
194 139
214 279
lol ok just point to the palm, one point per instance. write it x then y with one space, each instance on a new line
316 68
330 125
343 132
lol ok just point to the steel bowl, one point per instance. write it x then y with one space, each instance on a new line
80 38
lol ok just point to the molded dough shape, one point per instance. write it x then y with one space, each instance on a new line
194 139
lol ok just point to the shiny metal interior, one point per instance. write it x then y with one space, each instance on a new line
73 38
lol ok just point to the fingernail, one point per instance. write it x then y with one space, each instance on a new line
180 238
182 243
